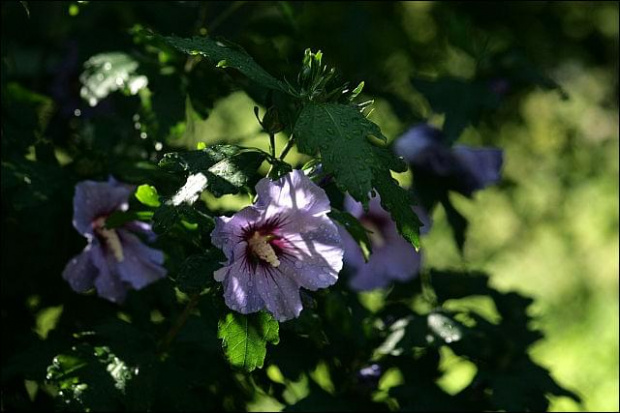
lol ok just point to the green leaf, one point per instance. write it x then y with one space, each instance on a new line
245 338
196 272
108 72
120 218
226 54
165 218
189 193
227 168
335 130
147 195
355 228
397 201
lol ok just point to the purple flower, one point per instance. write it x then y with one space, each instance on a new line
392 258
115 260
462 169
281 243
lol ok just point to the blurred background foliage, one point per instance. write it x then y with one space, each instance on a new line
536 79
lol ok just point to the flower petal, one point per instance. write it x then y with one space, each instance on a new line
394 259
228 231
279 292
417 140
313 257
94 199
80 272
143 228
294 191
108 283
393 262
481 167
141 265
240 291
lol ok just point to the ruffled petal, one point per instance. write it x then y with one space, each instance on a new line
141 265
80 272
293 192
394 259
240 288
142 228
479 167
417 140
94 199
279 292
393 262
313 257
108 283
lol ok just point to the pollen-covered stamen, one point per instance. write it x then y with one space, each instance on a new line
259 244
110 237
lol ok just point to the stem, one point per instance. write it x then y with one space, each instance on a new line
427 289
272 151
176 328
288 147
272 144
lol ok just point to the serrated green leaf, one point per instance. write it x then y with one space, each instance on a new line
345 140
398 202
227 168
355 228
245 338
227 55
148 196
108 72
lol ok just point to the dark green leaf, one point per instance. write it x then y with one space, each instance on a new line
245 338
227 55
345 140
227 168
165 218
120 218
196 272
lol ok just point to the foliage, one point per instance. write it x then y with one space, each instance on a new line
174 345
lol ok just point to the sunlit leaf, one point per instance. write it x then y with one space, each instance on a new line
245 338
108 72
147 195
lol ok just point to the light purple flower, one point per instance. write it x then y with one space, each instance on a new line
281 243
461 168
392 258
115 260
